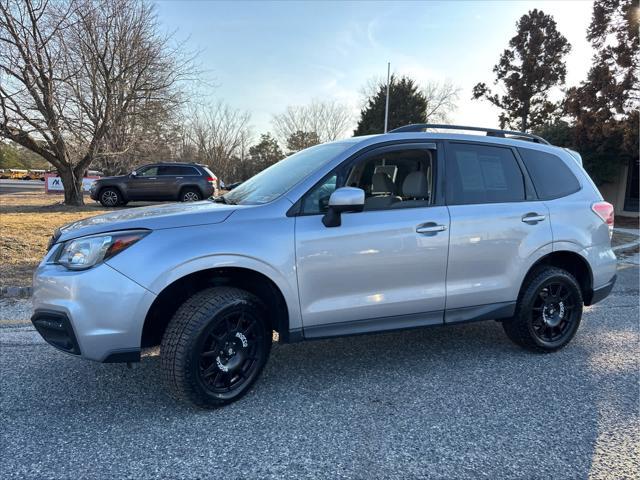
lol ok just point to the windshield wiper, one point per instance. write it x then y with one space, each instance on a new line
221 199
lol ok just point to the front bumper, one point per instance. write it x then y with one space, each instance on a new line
97 314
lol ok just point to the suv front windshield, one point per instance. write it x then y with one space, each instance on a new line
280 177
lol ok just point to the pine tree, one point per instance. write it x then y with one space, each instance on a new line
605 106
262 155
300 140
407 104
527 70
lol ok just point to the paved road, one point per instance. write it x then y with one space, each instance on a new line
460 402
15 186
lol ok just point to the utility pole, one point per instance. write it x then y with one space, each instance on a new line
386 108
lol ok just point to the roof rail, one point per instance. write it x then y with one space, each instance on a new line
491 132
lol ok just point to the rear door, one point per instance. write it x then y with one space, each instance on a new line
175 177
497 226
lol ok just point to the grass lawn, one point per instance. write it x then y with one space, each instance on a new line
27 221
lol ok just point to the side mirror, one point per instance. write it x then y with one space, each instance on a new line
133 174
345 199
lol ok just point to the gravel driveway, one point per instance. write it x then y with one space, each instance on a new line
458 402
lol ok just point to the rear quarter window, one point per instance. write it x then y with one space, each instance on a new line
550 175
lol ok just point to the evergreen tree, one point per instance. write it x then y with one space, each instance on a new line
262 155
605 106
299 140
407 104
527 70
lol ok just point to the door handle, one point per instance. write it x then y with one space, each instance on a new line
533 218
431 229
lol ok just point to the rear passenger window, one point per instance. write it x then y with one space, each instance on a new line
551 176
483 174
177 170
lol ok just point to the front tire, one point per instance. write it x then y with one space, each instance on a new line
548 312
215 347
110 197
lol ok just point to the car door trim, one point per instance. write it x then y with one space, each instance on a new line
476 313
490 311
373 325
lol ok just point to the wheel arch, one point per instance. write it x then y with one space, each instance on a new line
190 187
174 294
571 261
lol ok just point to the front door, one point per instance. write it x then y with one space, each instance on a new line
383 268
144 185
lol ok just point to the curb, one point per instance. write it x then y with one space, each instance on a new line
626 246
13 292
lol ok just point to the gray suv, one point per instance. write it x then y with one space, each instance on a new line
386 232
185 182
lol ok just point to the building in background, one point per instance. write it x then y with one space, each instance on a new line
623 192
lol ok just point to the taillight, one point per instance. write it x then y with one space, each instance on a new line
210 180
605 211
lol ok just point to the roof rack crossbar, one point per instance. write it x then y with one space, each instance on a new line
490 132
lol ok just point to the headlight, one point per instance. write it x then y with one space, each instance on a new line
85 252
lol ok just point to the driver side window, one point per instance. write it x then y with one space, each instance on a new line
317 200
148 172
400 178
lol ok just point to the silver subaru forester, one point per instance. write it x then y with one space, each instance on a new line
385 232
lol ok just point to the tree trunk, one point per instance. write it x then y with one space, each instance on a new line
72 187
525 114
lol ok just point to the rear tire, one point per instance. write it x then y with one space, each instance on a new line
548 311
110 197
215 347
190 195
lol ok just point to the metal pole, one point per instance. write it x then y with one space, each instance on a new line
386 108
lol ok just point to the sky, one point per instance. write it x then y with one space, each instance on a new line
264 56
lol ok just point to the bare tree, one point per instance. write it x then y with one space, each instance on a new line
441 100
154 135
72 72
327 120
219 132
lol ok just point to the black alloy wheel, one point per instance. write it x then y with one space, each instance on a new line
215 346
548 311
553 312
229 352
